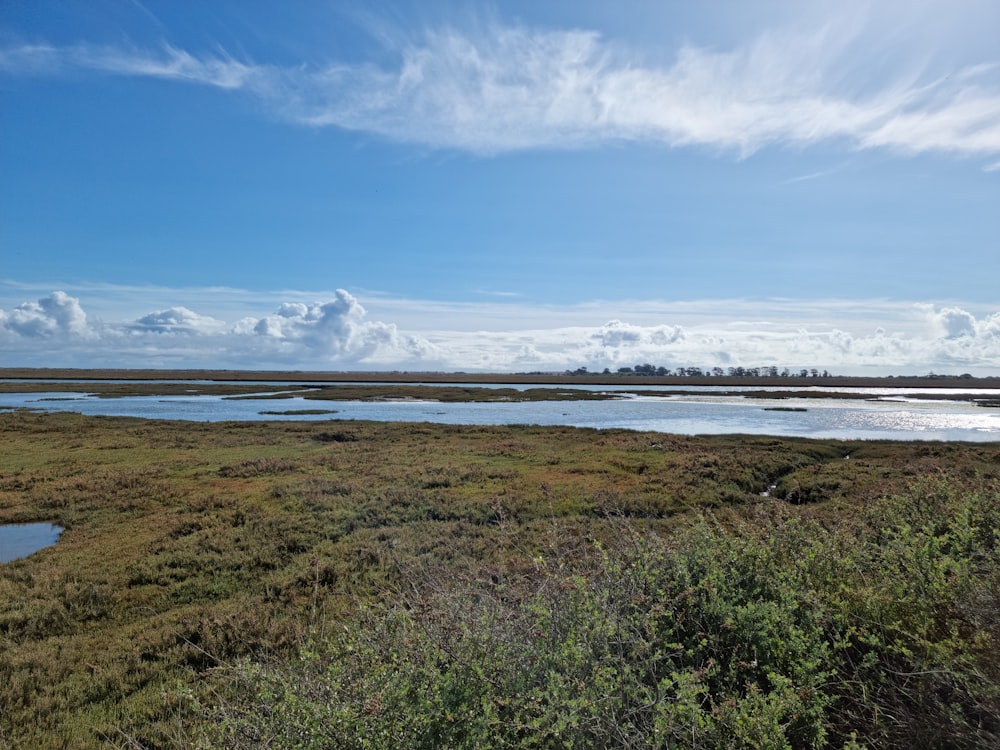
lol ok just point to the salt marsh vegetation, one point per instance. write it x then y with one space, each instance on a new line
204 563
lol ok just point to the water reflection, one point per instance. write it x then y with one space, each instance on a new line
697 412
20 540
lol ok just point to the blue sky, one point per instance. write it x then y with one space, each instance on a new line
509 186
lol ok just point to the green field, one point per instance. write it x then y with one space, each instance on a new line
312 584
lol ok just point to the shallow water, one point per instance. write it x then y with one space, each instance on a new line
886 414
21 539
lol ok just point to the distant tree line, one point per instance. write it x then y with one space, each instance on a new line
717 372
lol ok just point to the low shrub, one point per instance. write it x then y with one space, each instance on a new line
881 631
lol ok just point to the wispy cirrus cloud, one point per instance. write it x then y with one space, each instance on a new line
168 62
507 88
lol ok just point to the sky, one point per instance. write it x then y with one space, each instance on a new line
508 187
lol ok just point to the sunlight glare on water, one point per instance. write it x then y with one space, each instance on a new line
695 412
922 420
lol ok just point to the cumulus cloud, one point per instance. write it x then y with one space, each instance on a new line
505 88
616 334
955 322
177 320
990 327
57 314
335 332
338 333
338 329
960 326
763 339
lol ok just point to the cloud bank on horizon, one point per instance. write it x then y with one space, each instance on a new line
504 87
533 186
337 334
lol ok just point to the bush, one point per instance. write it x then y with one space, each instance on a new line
881 631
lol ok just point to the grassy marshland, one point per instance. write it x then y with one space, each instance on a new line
295 584
323 393
382 390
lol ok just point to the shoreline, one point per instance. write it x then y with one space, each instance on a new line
319 376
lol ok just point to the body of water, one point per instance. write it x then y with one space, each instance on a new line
21 539
889 413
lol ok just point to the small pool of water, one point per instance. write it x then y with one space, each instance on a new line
21 539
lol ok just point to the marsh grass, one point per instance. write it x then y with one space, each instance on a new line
190 547
777 632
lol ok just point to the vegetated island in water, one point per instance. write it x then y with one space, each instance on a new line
439 386
444 585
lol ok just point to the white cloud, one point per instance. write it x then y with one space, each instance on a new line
507 88
177 320
322 334
169 62
990 327
55 315
615 334
337 330
844 336
954 322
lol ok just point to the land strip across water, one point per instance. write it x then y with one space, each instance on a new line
444 386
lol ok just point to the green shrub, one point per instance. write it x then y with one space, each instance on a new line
882 631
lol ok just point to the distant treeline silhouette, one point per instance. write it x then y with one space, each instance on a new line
698 372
